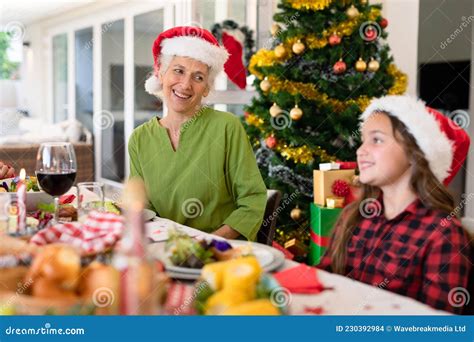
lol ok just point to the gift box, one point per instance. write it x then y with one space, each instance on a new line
323 181
322 222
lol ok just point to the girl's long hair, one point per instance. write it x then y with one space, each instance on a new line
423 182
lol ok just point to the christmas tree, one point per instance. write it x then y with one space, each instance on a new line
325 62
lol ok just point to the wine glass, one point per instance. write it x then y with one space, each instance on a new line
56 169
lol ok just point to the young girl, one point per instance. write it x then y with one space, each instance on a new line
401 234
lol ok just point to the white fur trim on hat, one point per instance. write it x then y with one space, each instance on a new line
152 85
198 48
434 143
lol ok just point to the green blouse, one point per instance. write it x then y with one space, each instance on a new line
212 179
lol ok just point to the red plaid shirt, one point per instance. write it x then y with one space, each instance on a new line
419 254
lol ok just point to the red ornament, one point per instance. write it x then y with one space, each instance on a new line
246 114
340 67
340 188
334 39
383 23
271 142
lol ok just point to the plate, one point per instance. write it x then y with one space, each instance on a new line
268 257
148 215
33 198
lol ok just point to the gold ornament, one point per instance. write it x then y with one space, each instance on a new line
352 12
296 213
363 2
361 65
298 47
275 110
374 65
296 113
280 51
275 29
265 85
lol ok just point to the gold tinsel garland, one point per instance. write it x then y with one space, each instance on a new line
301 155
309 91
314 5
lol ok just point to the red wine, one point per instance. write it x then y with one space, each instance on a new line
56 184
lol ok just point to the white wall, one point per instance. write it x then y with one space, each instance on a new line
402 16
439 19
34 65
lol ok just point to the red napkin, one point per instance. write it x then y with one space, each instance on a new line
300 279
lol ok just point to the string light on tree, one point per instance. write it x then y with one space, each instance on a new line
296 113
298 47
275 110
361 65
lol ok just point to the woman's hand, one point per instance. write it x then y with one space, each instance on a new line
227 232
6 171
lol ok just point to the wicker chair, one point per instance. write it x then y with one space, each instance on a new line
24 156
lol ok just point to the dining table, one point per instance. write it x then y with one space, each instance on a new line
342 295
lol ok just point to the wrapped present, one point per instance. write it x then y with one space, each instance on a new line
322 224
324 180
296 247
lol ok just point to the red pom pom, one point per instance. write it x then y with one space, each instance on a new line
340 188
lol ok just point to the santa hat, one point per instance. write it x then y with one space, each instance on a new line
187 41
443 142
234 67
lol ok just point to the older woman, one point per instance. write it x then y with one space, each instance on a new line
196 162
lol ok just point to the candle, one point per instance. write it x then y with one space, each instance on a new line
21 202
